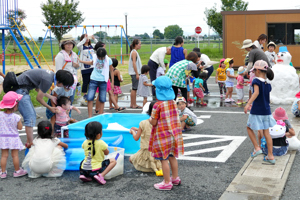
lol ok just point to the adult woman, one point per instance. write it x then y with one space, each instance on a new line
254 54
156 60
134 70
86 50
178 53
178 73
66 59
259 43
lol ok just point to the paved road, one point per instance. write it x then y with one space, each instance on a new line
217 149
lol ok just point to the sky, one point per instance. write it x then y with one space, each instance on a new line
143 16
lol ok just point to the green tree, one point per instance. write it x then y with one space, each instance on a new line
172 31
157 34
101 34
57 12
214 18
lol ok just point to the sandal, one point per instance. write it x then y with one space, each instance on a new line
120 109
138 107
111 108
256 153
268 161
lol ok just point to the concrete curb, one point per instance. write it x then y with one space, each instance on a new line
258 181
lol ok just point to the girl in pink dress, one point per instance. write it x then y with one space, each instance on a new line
9 135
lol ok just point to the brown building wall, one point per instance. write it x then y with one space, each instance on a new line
241 25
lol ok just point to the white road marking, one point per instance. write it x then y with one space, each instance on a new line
204 116
226 151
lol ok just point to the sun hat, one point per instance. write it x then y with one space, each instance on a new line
271 44
261 65
164 90
226 62
241 70
280 114
10 100
180 99
222 60
67 39
247 43
298 95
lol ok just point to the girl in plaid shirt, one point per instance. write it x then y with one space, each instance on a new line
166 142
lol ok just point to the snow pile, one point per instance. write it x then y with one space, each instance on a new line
285 84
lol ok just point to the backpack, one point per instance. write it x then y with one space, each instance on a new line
10 82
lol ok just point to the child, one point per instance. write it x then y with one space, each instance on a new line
187 117
117 79
142 160
143 89
94 166
260 117
9 135
221 77
166 142
102 67
270 53
240 86
296 106
280 114
230 79
62 116
46 156
160 71
199 89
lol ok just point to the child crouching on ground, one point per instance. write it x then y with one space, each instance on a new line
142 160
296 106
94 166
187 117
166 142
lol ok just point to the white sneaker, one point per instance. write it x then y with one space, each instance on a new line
232 100
221 95
227 100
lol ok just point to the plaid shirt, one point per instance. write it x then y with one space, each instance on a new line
166 136
177 73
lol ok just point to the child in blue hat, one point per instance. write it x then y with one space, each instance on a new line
166 142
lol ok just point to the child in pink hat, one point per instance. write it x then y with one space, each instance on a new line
280 114
9 135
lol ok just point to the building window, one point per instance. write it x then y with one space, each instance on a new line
284 33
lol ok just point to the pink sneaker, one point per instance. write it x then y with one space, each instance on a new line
176 181
227 100
20 172
83 178
163 185
232 100
221 95
3 174
99 178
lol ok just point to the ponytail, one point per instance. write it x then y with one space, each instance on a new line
93 143
134 43
270 74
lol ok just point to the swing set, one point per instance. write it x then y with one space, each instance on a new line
84 31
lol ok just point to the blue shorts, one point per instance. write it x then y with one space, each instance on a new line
229 84
160 158
260 122
188 87
93 88
26 108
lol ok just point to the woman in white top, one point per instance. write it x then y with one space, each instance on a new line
261 40
134 70
66 59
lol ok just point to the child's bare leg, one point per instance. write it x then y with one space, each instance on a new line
269 143
111 165
97 103
52 121
260 135
230 93
227 93
4 156
90 108
166 170
130 160
15 157
109 100
183 125
253 139
144 101
187 126
29 134
202 100
174 167
188 95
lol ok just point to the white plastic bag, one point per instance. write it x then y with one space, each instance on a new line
294 143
